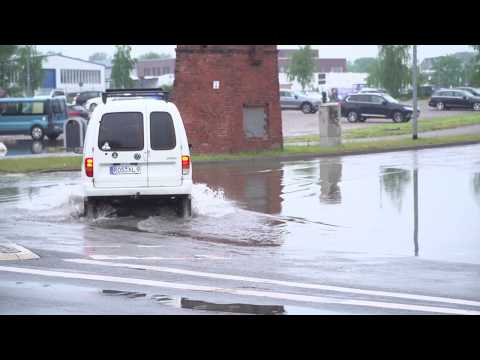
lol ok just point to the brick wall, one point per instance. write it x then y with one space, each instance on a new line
214 117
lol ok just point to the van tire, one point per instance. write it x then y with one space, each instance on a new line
184 207
53 137
37 133
90 208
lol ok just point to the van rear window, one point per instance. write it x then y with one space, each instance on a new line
162 131
121 132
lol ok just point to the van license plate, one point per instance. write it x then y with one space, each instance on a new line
125 169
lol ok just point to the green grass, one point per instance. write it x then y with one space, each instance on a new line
41 164
382 130
24 165
406 128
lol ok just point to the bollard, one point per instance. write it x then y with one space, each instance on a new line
74 134
329 124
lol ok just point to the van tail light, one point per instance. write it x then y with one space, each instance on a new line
185 164
89 166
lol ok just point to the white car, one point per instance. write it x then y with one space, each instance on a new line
136 148
92 103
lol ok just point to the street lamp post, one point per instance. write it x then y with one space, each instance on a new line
414 81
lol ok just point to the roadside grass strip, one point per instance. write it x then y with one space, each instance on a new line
73 163
382 130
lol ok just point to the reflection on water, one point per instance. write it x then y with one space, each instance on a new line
476 186
395 182
330 176
304 209
29 147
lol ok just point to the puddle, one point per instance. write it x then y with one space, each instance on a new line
129 294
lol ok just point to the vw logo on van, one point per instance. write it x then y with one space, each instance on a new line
137 156
114 155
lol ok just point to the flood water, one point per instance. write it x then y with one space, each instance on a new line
354 205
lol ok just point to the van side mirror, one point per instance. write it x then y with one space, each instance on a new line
384 102
190 146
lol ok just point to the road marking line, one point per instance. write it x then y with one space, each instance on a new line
102 246
150 246
241 292
124 257
282 282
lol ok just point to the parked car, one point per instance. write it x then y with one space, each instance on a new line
92 103
136 148
360 107
453 98
372 91
77 110
292 100
82 98
37 116
471 90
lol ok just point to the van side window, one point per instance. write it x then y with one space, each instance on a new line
33 108
11 108
162 131
121 132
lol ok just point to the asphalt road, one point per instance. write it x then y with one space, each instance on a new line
295 123
327 236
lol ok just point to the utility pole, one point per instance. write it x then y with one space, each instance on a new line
414 81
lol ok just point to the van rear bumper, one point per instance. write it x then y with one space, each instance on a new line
184 189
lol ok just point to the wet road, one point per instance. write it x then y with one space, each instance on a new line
328 236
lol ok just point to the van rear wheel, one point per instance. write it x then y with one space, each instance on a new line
184 207
90 208
53 137
37 133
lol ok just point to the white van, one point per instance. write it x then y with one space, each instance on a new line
136 148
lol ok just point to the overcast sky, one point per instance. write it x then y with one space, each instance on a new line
350 52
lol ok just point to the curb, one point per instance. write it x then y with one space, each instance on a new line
301 156
16 252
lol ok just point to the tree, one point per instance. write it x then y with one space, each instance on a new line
99 57
474 75
363 65
302 66
447 71
122 66
6 65
392 72
29 68
153 55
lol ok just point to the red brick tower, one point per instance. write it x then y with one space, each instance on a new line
228 96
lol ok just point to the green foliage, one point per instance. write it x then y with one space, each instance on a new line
29 68
100 58
474 74
392 70
302 66
15 60
6 66
448 71
362 65
153 55
122 66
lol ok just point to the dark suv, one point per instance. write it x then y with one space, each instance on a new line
86 95
359 107
453 98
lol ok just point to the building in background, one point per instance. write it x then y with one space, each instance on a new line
72 74
155 67
322 65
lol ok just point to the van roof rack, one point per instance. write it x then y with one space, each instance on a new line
134 93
